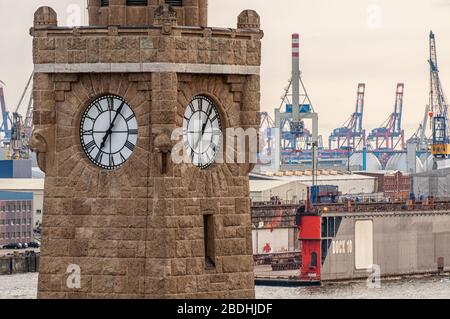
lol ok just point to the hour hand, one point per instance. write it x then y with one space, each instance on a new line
108 132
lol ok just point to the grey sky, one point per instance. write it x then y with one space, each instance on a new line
343 42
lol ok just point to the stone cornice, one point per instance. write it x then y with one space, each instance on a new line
55 31
146 67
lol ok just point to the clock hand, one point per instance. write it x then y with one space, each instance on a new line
109 131
117 114
198 141
206 122
203 127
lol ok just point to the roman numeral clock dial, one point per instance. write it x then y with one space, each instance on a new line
109 132
202 131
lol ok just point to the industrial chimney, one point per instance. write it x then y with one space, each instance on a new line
295 77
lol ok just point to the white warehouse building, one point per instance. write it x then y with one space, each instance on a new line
292 186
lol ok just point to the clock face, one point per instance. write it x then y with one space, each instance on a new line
202 131
109 131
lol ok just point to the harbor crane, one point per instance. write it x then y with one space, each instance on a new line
420 138
351 135
6 120
390 136
294 138
266 129
440 146
16 131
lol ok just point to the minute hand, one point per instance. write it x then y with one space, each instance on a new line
203 128
206 122
117 114
109 131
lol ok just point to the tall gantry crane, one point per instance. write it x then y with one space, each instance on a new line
294 138
390 136
6 120
16 131
440 146
420 137
266 129
351 135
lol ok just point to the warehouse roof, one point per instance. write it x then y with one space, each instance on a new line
306 176
263 185
262 182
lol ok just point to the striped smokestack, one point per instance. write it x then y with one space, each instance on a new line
295 77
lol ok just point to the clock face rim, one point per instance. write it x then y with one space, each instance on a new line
186 143
84 115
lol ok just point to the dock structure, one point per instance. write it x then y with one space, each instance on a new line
357 239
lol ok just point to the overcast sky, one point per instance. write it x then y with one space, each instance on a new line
343 42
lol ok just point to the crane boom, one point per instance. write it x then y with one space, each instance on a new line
29 118
23 93
359 113
390 134
351 134
424 125
4 127
398 111
439 107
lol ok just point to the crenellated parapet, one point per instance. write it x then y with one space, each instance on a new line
137 49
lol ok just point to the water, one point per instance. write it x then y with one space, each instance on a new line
406 288
24 286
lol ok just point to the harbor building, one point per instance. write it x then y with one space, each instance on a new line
35 187
291 186
18 179
16 217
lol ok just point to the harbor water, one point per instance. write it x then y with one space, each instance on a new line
433 287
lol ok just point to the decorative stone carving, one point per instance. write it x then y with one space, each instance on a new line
249 19
40 147
45 17
165 16
162 143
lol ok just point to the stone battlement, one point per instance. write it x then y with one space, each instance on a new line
147 44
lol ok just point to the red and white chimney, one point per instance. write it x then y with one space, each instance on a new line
295 77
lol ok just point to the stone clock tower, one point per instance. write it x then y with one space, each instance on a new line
122 220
